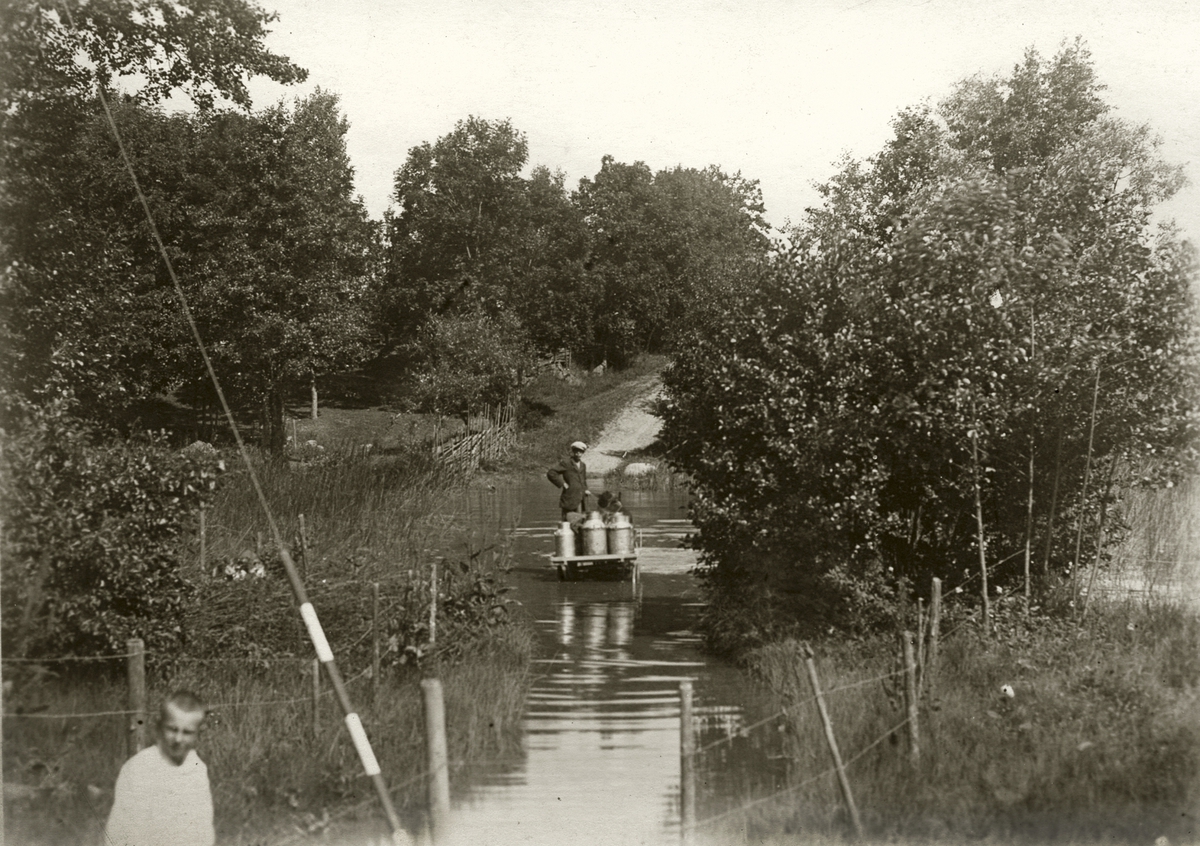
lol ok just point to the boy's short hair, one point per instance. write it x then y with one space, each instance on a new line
183 700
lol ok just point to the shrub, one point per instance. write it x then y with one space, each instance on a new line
90 547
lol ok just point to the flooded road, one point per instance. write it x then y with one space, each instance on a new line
600 757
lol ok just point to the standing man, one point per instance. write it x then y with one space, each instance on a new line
162 797
570 476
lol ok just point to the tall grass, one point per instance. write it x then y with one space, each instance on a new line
660 478
270 774
1161 552
1101 742
385 520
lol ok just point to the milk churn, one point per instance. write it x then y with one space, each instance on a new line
620 535
564 540
595 540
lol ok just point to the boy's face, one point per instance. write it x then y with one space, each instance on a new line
178 731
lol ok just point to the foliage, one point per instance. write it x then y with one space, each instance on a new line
203 48
274 252
467 362
278 251
471 235
663 246
975 285
92 532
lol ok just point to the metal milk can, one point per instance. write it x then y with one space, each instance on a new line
564 541
595 538
620 535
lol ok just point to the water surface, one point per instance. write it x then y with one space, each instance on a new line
600 753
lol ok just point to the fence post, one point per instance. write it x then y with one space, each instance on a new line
203 543
910 697
439 772
258 545
687 765
316 696
303 551
375 638
843 781
135 664
935 630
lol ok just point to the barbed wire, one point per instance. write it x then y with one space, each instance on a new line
708 821
116 657
783 712
325 693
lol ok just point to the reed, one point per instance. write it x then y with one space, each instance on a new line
368 519
270 774
660 478
1160 553
1101 742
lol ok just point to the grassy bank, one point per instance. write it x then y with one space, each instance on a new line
556 411
1099 741
368 521
271 774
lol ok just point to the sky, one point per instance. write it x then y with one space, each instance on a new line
776 89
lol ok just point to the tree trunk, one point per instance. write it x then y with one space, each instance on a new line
1029 526
1053 507
1087 478
987 616
274 436
313 385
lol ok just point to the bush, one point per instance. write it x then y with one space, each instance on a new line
91 541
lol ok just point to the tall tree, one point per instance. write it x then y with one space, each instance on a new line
663 246
279 252
73 310
945 321
460 216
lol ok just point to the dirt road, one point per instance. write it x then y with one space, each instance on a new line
632 429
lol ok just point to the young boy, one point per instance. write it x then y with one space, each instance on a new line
162 797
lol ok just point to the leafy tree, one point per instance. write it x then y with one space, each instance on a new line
936 339
279 253
72 294
453 240
663 246
468 361
91 530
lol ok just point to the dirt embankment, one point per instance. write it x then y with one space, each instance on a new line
633 428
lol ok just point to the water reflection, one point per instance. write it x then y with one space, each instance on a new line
600 762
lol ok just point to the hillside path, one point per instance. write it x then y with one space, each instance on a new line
633 428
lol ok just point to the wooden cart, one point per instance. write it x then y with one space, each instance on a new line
618 567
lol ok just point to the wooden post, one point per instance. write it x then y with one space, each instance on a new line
910 697
135 672
375 639
687 765
316 697
303 551
935 630
203 543
258 545
843 781
433 606
439 767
